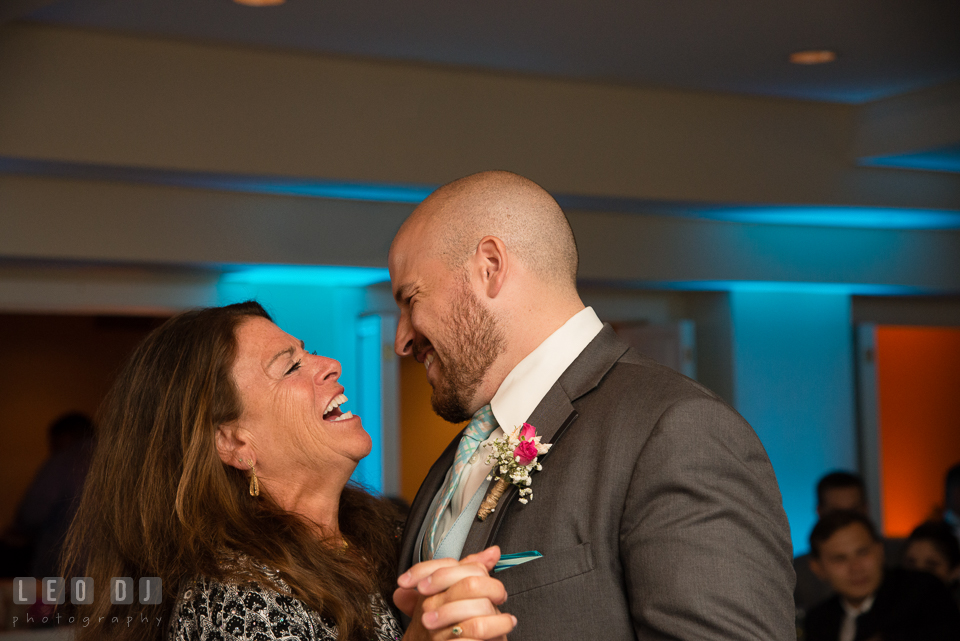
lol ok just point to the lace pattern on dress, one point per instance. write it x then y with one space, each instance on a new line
213 611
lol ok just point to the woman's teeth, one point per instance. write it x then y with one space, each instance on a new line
336 402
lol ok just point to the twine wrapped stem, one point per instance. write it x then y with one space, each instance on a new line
492 498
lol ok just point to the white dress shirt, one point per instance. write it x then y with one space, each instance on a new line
517 397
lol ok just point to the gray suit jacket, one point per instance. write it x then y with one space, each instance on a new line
657 513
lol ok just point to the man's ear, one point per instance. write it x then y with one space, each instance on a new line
492 262
817 568
232 446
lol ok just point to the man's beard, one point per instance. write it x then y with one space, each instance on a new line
475 342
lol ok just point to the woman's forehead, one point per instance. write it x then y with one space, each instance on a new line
260 339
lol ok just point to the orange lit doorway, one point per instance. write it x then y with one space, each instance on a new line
910 419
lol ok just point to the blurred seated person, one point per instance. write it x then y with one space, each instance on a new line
932 547
33 541
222 468
871 602
836 491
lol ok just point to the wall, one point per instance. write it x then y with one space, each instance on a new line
794 382
935 311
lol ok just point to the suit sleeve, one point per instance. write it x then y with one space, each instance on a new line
704 540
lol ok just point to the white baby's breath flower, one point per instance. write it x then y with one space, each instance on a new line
507 463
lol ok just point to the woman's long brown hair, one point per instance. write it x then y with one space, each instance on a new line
158 501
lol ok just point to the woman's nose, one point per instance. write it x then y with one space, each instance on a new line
328 369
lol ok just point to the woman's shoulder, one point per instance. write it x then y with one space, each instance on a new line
207 609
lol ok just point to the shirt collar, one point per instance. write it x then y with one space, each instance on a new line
857 611
530 380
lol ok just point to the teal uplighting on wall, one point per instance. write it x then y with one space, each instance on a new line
794 383
850 289
943 159
853 217
312 275
939 159
323 307
279 185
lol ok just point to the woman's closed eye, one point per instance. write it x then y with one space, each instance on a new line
293 368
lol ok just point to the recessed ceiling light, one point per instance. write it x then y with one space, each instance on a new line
260 3
813 57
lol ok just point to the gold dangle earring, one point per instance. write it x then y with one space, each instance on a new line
254 481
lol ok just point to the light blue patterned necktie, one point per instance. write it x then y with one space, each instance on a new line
481 426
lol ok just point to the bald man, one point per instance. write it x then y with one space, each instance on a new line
656 514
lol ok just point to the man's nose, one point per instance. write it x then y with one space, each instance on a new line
403 343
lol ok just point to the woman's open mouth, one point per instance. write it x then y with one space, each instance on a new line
333 413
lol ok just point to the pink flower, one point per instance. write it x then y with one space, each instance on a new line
527 431
526 452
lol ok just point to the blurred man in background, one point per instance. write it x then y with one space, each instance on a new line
836 491
871 602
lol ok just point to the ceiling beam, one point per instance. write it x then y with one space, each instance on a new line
86 97
56 219
914 122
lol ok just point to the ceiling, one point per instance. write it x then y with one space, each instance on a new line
884 47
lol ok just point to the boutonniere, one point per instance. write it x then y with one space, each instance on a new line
515 458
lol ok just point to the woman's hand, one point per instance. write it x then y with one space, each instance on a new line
445 596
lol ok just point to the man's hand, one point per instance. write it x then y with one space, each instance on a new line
441 594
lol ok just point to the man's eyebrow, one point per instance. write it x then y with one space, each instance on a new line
289 351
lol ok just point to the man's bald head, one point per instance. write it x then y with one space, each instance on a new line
498 203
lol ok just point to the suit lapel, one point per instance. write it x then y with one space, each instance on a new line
552 417
593 363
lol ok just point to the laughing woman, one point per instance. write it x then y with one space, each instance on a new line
221 467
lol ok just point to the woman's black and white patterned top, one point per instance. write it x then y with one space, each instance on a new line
212 611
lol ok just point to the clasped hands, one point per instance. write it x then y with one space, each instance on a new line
444 596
